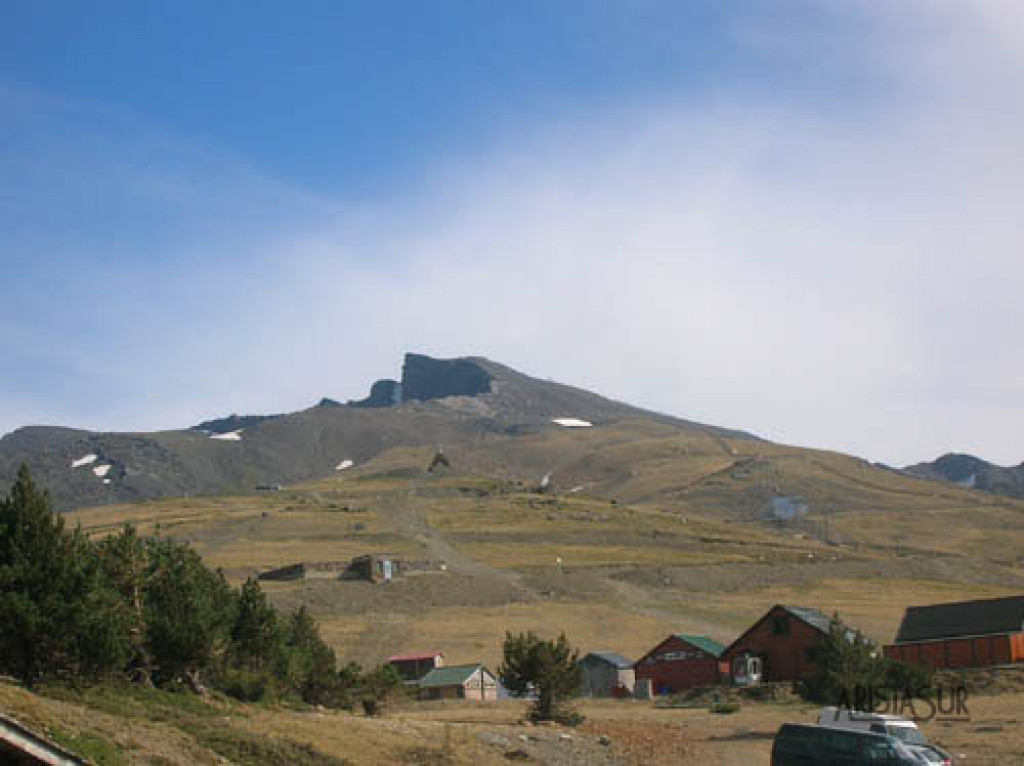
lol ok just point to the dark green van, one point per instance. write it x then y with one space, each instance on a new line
799 744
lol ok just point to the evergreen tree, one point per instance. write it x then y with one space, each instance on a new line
848 668
56 613
549 668
189 611
123 561
255 635
311 665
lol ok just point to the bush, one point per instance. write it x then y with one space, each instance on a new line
248 685
725 708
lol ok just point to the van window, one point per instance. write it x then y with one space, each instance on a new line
838 742
881 752
909 734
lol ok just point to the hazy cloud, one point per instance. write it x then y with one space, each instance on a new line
842 275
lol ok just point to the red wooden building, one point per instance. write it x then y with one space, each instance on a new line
965 634
413 667
681 662
784 639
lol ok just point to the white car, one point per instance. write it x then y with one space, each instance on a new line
903 729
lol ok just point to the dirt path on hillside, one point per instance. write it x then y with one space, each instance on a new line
401 512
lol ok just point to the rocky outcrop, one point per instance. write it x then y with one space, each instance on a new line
972 472
232 423
425 378
383 393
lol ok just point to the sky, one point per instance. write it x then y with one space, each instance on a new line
801 218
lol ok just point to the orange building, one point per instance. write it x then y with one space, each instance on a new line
965 634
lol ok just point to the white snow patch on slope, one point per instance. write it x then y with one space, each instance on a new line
102 470
572 422
230 436
84 460
343 465
970 482
106 481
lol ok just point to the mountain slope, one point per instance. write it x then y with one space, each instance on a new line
447 402
489 420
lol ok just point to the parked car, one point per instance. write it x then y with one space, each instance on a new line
798 744
903 729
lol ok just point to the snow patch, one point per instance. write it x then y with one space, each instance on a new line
572 422
106 481
574 490
102 470
343 465
970 482
84 460
230 436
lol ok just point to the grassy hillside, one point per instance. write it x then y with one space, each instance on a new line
628 572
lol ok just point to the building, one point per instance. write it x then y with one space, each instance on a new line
784 640
966 634
375 567
412 667
20 746
681 662
606 674
459 682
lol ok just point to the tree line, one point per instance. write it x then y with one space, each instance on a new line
148 609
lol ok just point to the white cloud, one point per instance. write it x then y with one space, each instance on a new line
844 276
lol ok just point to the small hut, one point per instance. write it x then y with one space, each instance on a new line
375 567
606 674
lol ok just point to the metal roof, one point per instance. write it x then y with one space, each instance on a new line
709 645
987 617
813 617
456 675
611 658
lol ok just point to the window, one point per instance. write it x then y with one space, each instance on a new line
881 752
780 626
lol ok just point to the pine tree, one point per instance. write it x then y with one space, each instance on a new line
189 610
57 615
123 561
311 664
549 668
255 635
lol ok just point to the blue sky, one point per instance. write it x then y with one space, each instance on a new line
245 206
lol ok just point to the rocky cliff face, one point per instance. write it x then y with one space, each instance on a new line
383 393
972 472
425 378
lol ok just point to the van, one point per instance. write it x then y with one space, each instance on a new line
798 744
903 729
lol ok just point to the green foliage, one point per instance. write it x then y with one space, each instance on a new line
100 751
188 609
549 668
851 671
249 749
378 688
149 609
311 667
256 641
57 615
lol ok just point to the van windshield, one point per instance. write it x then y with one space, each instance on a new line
908 734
